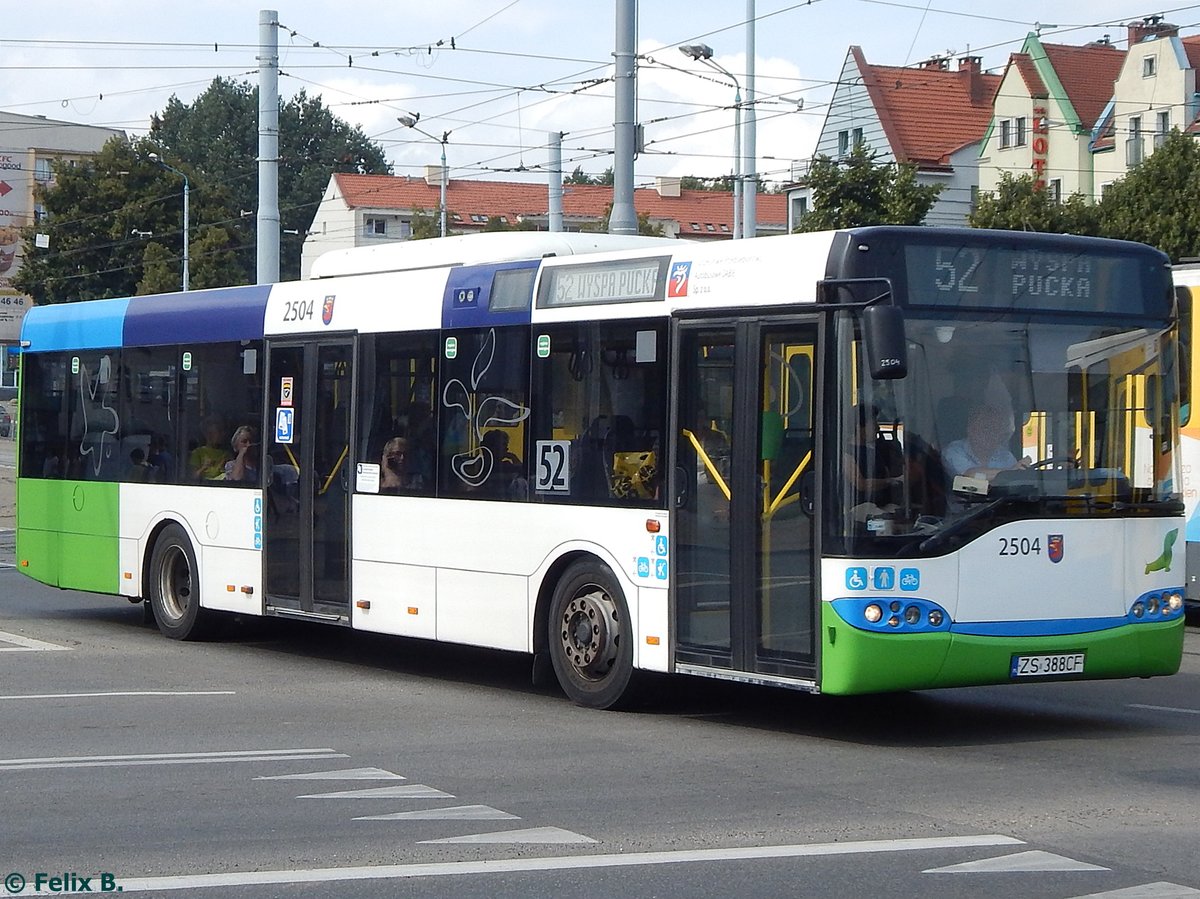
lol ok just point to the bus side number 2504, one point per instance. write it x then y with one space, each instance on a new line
1020 546
297 310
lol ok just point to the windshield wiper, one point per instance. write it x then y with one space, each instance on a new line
933 541
1172 504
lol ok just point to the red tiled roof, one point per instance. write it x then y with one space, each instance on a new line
1087 74
1191 46
707 210
928 113
1029 74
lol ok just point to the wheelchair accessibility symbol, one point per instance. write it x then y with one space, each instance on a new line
856 579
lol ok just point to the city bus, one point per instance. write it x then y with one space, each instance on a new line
860 461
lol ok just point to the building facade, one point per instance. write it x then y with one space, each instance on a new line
29 145
929 116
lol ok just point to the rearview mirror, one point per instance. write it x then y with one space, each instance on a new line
887 345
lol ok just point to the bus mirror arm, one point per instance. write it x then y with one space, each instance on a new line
882 322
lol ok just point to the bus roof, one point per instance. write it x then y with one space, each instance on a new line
473 249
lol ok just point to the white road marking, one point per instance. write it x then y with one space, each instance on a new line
347 774
557 863
27 644
118 693
454 813
170 758
1159 890
1034 860
408 791
547 835
1164 708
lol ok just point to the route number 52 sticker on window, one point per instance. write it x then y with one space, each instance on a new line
553 468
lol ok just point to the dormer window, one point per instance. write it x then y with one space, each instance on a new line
1149 66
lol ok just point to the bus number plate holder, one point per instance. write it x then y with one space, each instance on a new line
1056 664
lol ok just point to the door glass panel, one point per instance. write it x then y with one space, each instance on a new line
331 475
785 461
285 500
702 519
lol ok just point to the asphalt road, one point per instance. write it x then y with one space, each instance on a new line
297 760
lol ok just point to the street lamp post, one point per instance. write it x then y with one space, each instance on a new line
186 191
703 53
410 121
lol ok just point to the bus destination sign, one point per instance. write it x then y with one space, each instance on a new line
1030 278
602 282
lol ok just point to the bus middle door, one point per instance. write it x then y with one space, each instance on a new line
306 545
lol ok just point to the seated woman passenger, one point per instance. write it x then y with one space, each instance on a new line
244 465
396 472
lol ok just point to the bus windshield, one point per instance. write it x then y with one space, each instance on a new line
1001 418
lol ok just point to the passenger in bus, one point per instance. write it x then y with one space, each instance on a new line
506 479
140 468
244 465
396 468
984 451
874 463
207 462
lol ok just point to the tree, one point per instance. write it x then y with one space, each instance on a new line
579 176
218 136
111 215
695 182
1018 204
1158 201
856 190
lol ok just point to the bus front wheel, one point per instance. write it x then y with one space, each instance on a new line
174 584
591 637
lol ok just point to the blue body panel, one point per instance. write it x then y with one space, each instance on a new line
206 316
74 326
469 296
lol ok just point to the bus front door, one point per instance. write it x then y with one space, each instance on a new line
307 509
743 558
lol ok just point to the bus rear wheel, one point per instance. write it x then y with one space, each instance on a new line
174 584
591 637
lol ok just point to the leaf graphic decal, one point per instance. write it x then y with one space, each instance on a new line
472 468
496 410
483 359
455 396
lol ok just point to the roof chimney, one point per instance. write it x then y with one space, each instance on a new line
433 175
1150 27
937 64
667 186
973 67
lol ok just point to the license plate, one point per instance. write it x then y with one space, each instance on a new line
1049 665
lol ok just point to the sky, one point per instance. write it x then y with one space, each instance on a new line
496 77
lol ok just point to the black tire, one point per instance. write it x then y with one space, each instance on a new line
174 587
591 637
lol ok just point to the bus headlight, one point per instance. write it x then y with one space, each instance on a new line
912 615
1139 609
935 618
1152 605
873 613
1173 602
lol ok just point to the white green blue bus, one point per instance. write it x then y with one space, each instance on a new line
620 455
